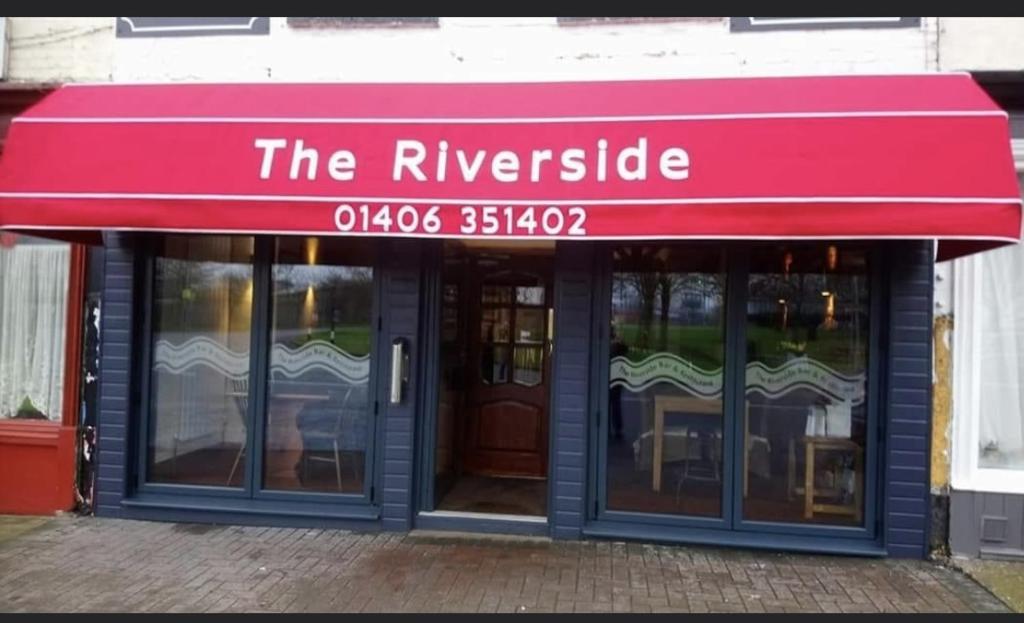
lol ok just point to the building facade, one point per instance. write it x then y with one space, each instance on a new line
770 394
977 448
41 285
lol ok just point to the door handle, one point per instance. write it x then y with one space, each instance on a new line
399 368
551 329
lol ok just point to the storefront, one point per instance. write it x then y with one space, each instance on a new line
687 310
41 286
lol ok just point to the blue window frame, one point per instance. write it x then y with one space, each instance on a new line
258 324
841 324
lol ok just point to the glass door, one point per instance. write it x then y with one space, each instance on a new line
807 411
739 387
260 380
198 387
319 407
666 451
490 428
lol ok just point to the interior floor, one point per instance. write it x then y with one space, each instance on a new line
285 471
699 493
509 496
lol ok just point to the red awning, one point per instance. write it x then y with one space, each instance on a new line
853 157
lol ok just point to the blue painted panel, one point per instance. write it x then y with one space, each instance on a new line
115 364
574 277
400 314
908 399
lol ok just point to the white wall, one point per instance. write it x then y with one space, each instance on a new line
60 49
463 49
498 49
981 43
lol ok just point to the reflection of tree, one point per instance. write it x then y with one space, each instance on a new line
323 302
286 277
646 281
802 325
191 295
349 297
641 266
666 285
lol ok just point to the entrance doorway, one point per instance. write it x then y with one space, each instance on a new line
496 339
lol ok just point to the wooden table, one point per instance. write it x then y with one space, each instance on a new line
663 404
813 445
282 432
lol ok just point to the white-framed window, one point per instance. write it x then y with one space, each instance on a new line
744 24
988 368
34 277
190 26
3 48
363 22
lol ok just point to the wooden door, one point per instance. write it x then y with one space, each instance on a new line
509 345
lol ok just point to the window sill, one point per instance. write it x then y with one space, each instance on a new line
31 432
1003 481
751 540
240 506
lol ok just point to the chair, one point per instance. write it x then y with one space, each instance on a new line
701 431
240 393
332 434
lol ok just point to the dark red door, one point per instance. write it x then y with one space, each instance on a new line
510 345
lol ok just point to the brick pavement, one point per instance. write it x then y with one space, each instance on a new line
89 564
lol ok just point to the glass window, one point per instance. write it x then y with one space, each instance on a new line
199 383
530 326
805 418
496 295
493 364
987 367
1000 329
513 322
495 325
530 295
665 446
34 277
318 401
528 366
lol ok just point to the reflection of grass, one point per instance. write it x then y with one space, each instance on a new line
836 349
704 345
700 345
353 339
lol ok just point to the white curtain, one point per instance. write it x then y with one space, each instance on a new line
33 314
1001 331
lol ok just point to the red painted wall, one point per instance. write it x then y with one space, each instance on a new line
37 467
37 459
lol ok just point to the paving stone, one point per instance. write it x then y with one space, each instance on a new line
87 564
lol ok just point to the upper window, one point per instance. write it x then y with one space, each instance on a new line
386 22
191 26
3 48
598 21
33 318
818 23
